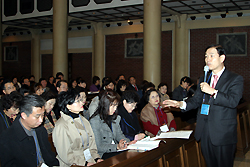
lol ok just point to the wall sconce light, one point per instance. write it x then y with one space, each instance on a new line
141 21
79 28
28 32
193 17
51 30
43 31
223 15
21 33
69 28
119 24
88 27
128 20
207 16
107 25
14 34
168 19
239 14
130 23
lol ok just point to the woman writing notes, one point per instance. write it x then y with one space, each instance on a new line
105 124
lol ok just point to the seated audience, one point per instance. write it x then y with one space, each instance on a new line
162 89
84 94
24 90
25 81
119 77
73 136
43 82
95 87
180 92
25 143
153 115
49 116
7 86
129 120
82 83
50 82
11 103
121 87
73 83
106 126
60 75
108 83
38 89
16 83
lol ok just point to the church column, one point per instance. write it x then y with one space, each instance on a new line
60 37
181 58
152 41
99 56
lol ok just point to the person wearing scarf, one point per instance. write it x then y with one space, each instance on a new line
129 121
153 115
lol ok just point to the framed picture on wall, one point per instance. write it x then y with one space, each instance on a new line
10 53
235 44
133 47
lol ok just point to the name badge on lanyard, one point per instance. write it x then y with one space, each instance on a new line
87 154
205 109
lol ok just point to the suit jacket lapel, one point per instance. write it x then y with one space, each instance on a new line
221 80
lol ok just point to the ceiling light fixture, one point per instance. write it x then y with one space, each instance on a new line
88 26
119 24
193 17
207 16
142 21
130 23
107 25
223 15
239 14
168 19
79 28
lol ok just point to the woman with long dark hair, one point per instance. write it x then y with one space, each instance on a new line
106 125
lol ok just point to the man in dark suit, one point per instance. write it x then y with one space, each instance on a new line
180 92
132 84
25 143
218 98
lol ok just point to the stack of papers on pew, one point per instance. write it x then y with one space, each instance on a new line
144 145
181 134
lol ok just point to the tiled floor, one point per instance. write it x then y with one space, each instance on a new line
242 162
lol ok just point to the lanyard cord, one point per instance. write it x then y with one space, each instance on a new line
128 124
80 133
5 120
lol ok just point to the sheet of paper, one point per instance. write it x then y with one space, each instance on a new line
183 134
164 128
144 145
